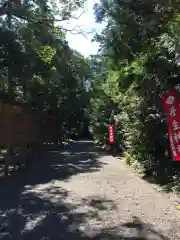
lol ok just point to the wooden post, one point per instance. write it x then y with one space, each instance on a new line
10 136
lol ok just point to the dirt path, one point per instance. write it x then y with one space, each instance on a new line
83 194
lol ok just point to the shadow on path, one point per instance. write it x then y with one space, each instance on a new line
33 207
80 157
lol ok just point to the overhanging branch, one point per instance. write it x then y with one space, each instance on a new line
5 8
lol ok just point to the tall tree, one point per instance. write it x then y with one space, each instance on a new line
37 67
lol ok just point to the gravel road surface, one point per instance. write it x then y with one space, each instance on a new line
84 194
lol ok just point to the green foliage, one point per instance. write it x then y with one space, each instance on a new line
139 47
37 67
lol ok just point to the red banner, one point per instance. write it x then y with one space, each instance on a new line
171 105
111 133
